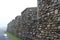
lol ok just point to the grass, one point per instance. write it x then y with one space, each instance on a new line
12 36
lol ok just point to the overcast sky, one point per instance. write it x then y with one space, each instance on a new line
9 9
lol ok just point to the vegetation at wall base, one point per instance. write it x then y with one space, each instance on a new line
12 36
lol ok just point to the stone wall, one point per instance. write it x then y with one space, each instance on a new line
38 23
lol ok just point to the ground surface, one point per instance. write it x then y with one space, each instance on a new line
2 37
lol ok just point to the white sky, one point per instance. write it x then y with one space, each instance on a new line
9 9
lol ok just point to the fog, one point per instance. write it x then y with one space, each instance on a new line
9 9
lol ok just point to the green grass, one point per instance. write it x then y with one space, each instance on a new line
12 36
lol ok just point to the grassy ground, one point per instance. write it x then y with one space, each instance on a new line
12 36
